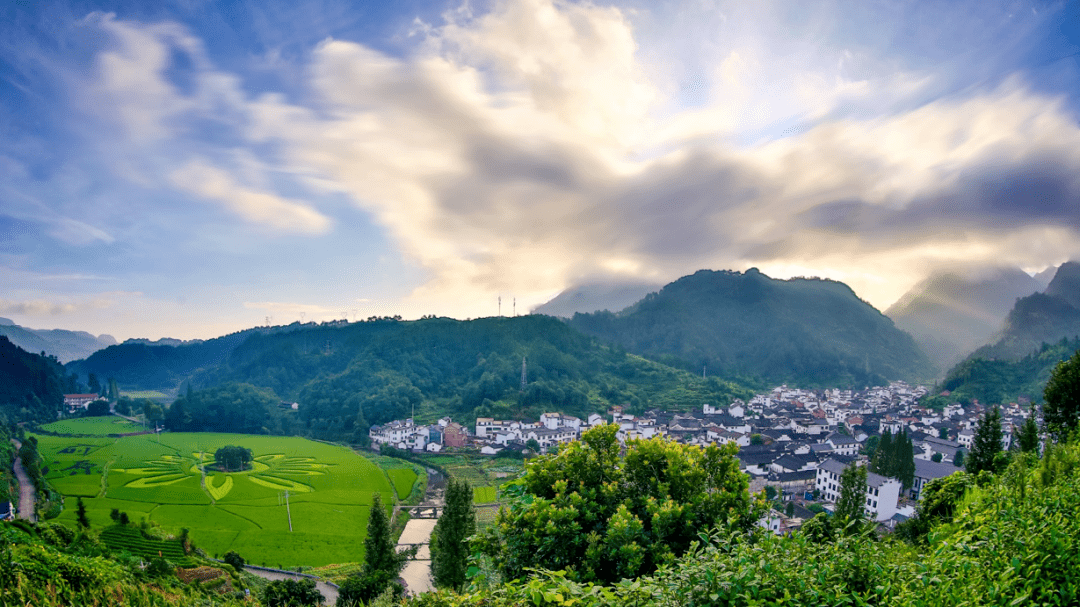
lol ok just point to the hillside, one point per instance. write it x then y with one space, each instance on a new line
347 377
999 381
162 365
950 314
1040 318
31 386
806 332
64 345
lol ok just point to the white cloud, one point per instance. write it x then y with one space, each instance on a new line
521 150
263 208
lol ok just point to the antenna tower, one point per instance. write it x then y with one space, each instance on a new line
515 306
500 305
524 377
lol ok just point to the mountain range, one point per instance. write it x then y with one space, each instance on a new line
63 344
802 331
952 313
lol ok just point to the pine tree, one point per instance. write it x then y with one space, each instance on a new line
905 460
379 551
450 546
1061 411
986 444
1028 436
883 455
80 515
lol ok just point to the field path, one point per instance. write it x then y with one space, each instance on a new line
26 488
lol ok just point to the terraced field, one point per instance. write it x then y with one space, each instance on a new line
169 479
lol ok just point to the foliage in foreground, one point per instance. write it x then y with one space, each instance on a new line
606 517
1014 541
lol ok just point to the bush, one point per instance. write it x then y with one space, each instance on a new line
234 559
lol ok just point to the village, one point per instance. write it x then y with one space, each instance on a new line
793 443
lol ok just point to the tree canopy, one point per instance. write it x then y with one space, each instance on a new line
986 444
1061 412
606 517
232 458
850 506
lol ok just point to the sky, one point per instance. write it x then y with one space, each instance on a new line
187 168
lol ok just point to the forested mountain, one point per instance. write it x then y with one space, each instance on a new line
64 345
952 313
1040 318
803 331
591 297
158 366
31 386
347 377
999 381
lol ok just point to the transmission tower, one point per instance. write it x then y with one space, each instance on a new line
500 305
524 377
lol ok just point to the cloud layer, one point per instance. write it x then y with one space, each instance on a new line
543 143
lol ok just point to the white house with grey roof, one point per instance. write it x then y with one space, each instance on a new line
882 494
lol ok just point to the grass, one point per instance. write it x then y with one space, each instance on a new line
159 479
94 426
144 394
403 480
484 495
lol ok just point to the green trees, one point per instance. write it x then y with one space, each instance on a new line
1027 438
986 445
449 542
291 593
895 458
1061 413
850 504
607 517
382 562
80 515
231 458
233 558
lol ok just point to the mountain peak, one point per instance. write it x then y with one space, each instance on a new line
1066 283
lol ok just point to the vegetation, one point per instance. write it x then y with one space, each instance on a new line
894 457
804 332
604 517
232 458
382 562
1061 413
850 506
1014 540
986 453
450 539
159 480
1004 380
292 593
32 387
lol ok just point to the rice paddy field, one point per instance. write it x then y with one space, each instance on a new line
484 474
97 426
170 479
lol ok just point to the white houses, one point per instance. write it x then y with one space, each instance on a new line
882 493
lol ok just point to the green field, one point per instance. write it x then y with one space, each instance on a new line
151 394
95 426
160 478
403 480
484 495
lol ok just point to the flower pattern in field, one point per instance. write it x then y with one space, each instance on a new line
277 472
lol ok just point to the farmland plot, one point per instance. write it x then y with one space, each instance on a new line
172 480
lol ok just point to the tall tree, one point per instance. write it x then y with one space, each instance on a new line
381 561
851 503
986 444
882 459
450 547
1061 411
80 515
1027 438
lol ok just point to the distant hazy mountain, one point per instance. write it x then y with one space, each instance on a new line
164 364
809 332
591 297
64 345
1040 318
950 314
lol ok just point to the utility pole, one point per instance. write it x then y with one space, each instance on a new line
287 510
524 377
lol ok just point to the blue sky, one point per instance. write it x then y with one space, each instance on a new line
191 168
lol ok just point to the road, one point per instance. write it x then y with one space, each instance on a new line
329 592
26 488
417 574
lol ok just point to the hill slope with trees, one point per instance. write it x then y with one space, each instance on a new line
32 386
804 331
348 377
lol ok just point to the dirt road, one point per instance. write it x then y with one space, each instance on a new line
26 488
